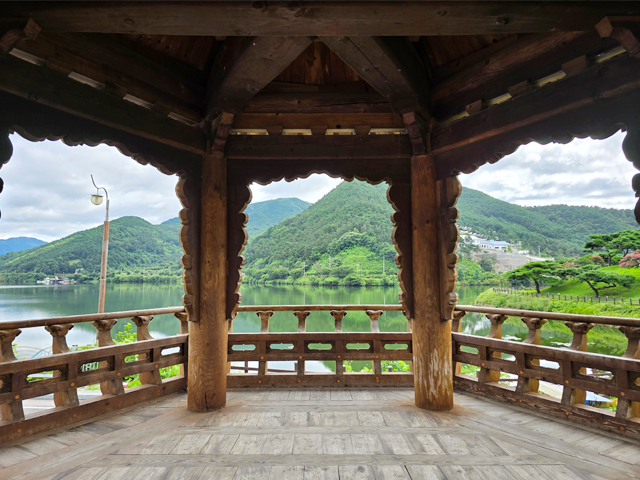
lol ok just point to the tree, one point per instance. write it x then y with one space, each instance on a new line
612 244
598 279
486 264
536 272
631 260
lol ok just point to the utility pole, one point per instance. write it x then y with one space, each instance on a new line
383 264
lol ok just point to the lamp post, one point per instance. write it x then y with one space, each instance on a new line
96 199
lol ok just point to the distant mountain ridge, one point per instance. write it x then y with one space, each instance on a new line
559 230
16 244
262 215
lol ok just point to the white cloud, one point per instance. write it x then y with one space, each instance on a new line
309 189
47 184
583 172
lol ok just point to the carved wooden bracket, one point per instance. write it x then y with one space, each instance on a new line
579 330
6 344
496 325
534 325
621 29
10 38
142 322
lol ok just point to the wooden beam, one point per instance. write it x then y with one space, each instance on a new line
58 91
318 147
318 102
244 66
122 70
390 65
245 172
330 120
530 58
585 104
625 30
38 122
386 18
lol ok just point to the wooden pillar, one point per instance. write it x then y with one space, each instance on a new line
208 336
433 372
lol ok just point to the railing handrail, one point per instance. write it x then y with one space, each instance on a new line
318 308
91 317
565 317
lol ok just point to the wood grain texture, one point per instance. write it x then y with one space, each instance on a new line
431 334
320 18
58 91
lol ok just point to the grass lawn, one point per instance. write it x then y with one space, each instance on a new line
575 287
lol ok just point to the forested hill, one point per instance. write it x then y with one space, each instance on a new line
559 230
355 216
262 215
133 242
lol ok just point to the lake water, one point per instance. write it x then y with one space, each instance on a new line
32 302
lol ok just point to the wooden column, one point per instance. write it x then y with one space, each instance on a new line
432 364
208 336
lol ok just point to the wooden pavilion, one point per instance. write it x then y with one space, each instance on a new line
225 94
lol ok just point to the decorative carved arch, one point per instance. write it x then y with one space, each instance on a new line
241 173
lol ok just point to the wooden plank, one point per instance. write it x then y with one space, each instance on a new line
306 120
317 103
319 18
58 91
321 473
539 115
390 65
307 444
318 147
244 66
531 57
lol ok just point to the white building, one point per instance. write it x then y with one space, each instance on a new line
497 245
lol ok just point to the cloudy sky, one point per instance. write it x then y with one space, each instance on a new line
48 184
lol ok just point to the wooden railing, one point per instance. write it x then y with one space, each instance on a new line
573 369
302 346
106 365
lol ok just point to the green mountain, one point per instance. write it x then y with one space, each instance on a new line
15 244
346 232
262 215
133 242
559 230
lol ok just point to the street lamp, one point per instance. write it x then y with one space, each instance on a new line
96 199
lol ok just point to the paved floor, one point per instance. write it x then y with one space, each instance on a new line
322 434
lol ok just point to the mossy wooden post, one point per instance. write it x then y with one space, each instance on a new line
432 365
208 336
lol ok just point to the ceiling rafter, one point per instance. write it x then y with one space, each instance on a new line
244 66
390 65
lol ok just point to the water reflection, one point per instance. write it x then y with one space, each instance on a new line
31 302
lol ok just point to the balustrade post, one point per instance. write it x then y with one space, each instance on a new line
184 330
374 316
11 412
626 408
338 315
579 343
264 315
108 387
153 377
529 385
456 326
485 375
68 398
302 320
